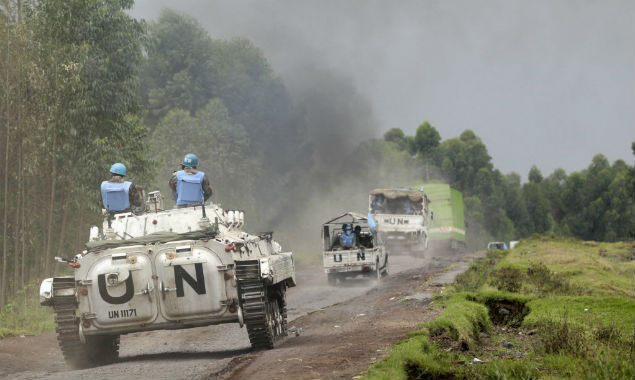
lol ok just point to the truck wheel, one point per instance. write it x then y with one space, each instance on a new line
384 273
332 279
377 271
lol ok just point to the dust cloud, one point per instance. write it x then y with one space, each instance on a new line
546 83
543 82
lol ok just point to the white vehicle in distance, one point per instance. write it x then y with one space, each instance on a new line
499 245
366 256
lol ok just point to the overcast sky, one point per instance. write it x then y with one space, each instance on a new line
542 82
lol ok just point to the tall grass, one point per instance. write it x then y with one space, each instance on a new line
577 299
23 315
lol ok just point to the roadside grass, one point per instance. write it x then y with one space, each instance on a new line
616 313
462 320
549 309
598 269
23 315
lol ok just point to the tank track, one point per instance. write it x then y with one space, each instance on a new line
264 307
66 320
97 350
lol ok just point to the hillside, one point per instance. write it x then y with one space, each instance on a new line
547 309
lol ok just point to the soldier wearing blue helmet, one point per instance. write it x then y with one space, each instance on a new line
120 195
189 185
347 238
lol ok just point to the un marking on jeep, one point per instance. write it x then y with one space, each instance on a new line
396 221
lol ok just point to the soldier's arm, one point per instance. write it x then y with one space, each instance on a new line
172 183
207 188
135 196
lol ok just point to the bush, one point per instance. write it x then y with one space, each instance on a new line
608 333
545 281
508 279
563 337
473 278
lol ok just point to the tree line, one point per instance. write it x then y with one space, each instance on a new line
84 85
68 109
596 203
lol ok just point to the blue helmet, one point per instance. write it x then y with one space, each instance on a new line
118 168
190 160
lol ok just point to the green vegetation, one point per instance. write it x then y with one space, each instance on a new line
69 110
541 311
594 204
23 315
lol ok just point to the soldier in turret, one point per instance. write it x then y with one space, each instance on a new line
118 194
189 185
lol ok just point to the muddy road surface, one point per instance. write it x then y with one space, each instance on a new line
342 330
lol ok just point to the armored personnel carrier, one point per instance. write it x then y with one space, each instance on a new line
169 269
403 219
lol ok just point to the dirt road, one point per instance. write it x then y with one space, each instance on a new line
338 339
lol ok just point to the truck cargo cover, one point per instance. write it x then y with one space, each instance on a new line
349 217
413 195
158 237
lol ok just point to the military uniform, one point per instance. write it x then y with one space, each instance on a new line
347 240
205 184
134 196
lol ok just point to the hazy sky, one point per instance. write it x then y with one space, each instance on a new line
542 82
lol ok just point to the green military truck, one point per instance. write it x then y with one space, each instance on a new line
447 231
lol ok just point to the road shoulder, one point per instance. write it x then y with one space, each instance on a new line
343 340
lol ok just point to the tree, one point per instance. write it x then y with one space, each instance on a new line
186 69
632 175
552 188
538 208
476 233
70 99
514 205
179 71
411 147
426 138
396 136
90 51
461 158
221 145
534 175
